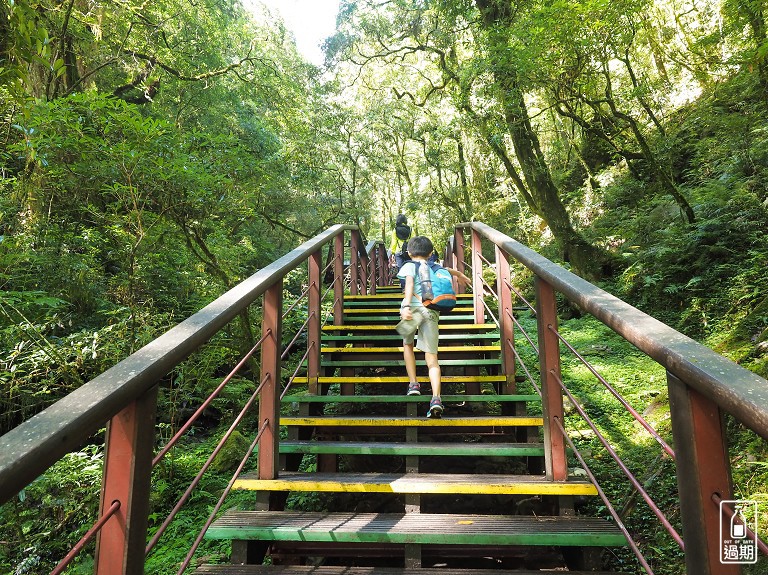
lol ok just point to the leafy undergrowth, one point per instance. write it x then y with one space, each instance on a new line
38 528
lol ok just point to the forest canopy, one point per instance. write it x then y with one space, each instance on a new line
626 139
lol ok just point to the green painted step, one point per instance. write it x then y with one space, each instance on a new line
402 422
422 448
407 398
392 297
398 349
363 328
390 303
491 336
401 363
395 310
415 528
394 318
228 569
417 483
377 379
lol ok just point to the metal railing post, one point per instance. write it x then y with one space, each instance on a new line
703 469
551 394
383 266
372 265
127 474
269 402
363 264
354 263
458 254
477 273
314 330
506 325
338 280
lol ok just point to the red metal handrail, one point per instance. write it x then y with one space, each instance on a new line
524 332
222 498
701 384
129 389
208 462
619 523
639 418
203 406
519 359
615 456
80 545
310 348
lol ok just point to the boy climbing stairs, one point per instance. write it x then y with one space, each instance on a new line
399 491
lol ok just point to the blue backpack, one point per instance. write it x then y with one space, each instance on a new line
436 287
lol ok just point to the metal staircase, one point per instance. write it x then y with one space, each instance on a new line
466 490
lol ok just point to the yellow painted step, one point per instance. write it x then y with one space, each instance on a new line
393 421
398 295
458 483
379 327
395 310
404 379
441 349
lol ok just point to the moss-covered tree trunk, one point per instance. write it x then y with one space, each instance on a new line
543 196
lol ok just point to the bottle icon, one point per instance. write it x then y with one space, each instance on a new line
738 524
426 282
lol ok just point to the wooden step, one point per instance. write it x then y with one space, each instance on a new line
227 569
351 311
393 296
458 449
400 422
401 363
424 398
379 328
404 379
376 305
415 528
393 318
422 483
363 339
474 349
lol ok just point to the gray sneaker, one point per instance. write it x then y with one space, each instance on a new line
435 408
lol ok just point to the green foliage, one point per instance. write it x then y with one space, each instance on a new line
678 270
45 520
47 356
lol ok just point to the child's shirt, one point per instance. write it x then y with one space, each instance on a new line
410 269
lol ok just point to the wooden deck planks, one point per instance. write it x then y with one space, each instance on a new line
346 570
375 316
423 483
378 327
416 528
486 398
473 449
404 379
396 310
396 349
394 421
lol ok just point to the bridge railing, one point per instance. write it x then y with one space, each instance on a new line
702 384
124 398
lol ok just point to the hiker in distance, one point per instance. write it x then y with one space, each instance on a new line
398 246
420 275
